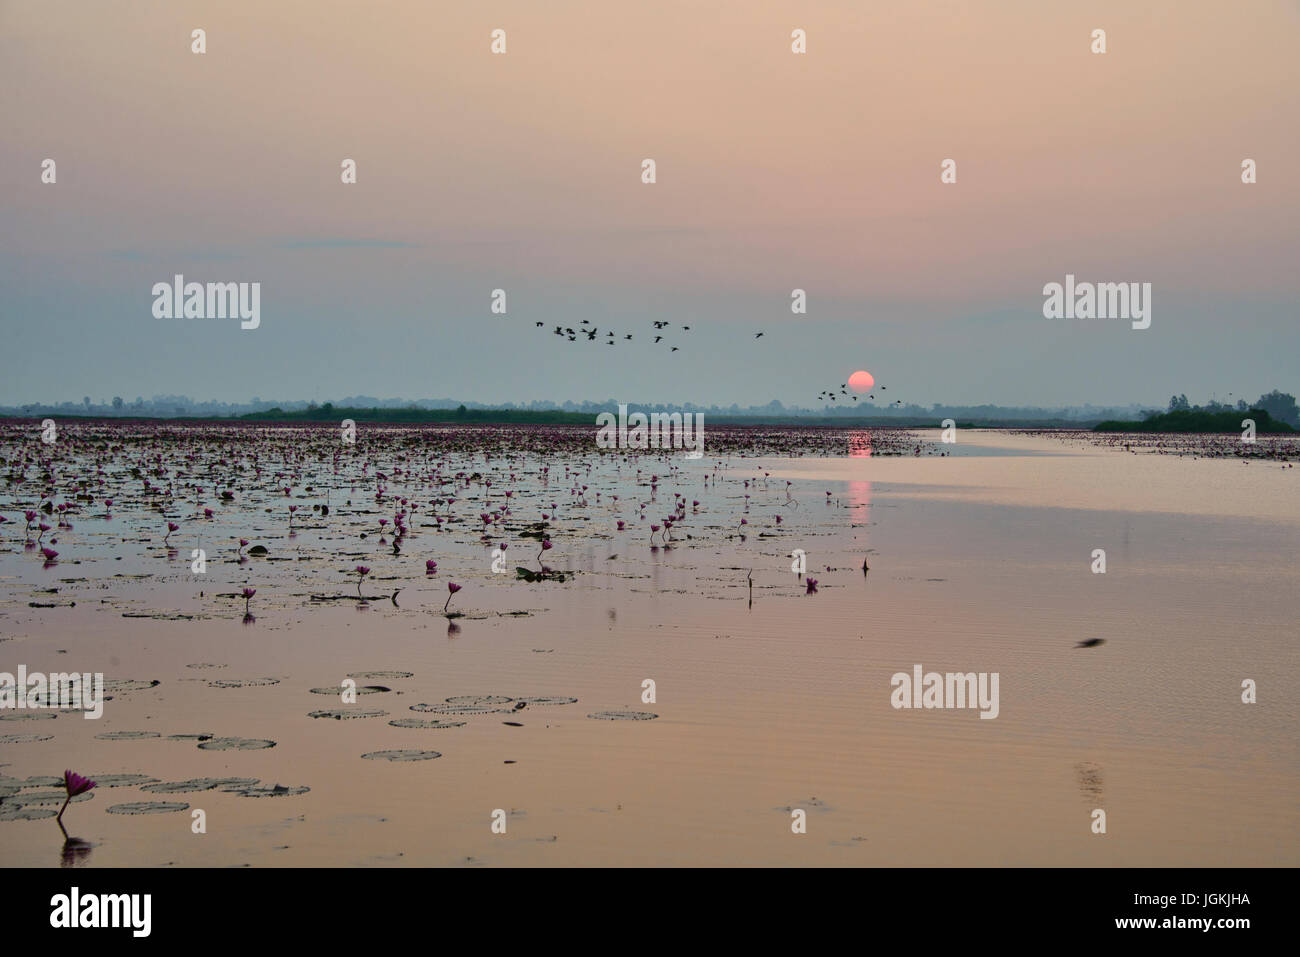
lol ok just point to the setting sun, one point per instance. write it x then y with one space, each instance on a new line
861 381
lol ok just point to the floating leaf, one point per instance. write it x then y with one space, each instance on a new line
362 689
271 790
236 744
16 812
622 715
424 723
242 682
402 755
545 700
197 784
148 807
120 780
380 675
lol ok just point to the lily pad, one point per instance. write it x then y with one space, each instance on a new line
341 714
478 700
127 735
361 689
48 797
236 744
380 675
120 780
456 709
197 784
402 755
424 723
120 685
269 790
24 738
242 682
17 812
148 807
546 700
622 715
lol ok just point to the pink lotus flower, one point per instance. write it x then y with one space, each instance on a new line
50 554
811 584
74 784
171 527
248 593
362 571
430 567
452 588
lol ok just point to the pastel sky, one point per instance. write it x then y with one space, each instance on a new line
775 171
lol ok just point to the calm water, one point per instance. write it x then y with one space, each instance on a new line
766 700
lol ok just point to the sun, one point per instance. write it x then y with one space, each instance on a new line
861 381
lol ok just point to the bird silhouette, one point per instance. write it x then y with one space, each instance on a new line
758 336
658 338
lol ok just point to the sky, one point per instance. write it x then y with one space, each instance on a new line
775 171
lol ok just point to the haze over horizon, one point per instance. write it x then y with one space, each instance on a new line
774 172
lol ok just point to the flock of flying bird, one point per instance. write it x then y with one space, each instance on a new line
611 337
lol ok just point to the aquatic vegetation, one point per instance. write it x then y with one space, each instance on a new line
401 755
75 785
